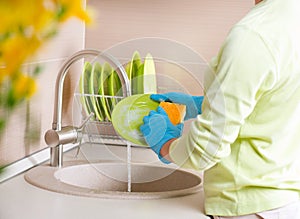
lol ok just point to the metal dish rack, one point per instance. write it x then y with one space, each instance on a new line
99 128
100 131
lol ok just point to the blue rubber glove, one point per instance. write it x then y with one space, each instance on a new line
193 103
158 130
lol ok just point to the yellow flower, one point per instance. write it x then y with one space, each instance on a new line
25 26
15 51
23 87
70 8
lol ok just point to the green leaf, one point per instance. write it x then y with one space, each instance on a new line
2 125
37 70
1 170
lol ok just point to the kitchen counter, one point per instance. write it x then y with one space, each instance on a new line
20 200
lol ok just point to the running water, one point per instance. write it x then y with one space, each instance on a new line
128 167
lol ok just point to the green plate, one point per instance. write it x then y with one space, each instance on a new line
106 71
93 90
149 83
114 87
138 80
84 88
132 72
128 114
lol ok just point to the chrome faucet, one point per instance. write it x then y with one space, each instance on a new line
58 136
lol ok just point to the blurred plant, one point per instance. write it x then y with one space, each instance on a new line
25 26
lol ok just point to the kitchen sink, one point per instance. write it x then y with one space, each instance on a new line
110 180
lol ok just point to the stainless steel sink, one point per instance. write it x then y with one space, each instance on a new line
110 180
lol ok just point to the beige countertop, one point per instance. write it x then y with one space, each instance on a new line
21 200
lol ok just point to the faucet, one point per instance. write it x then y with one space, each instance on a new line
58 136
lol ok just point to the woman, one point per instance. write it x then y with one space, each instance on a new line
245 136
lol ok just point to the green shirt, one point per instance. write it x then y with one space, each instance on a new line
248 137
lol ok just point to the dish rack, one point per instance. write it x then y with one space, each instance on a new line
96 130
102 86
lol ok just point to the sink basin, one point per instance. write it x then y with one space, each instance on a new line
110 180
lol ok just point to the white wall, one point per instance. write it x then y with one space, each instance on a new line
200 24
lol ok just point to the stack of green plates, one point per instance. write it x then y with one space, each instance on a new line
101 88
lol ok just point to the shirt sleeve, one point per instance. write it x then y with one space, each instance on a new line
241 73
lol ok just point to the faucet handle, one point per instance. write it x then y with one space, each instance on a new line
68 134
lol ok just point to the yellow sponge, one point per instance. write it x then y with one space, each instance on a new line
175 112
